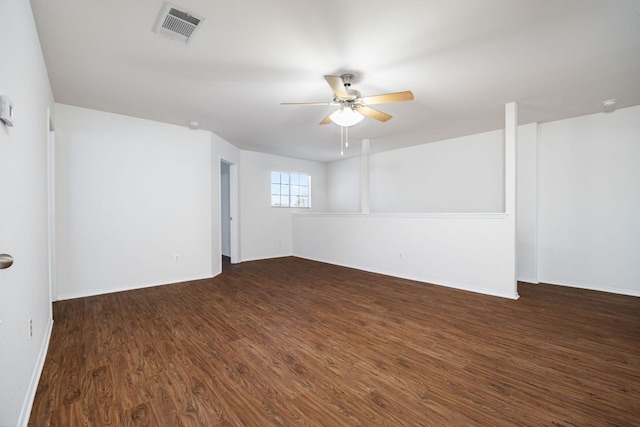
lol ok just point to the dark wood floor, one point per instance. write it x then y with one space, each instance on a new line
295 342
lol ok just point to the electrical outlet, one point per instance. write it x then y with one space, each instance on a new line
176 257
399 255
30 328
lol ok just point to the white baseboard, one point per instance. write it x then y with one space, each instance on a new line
267 257
103 291
628 292
528 279
35 378
453 285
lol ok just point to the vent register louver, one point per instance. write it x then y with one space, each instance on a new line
176 24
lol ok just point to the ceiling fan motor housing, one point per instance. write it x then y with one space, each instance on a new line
346 79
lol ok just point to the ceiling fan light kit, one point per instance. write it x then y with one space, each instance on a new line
346 116
352 106
350 101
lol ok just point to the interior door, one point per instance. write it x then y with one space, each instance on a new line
25 307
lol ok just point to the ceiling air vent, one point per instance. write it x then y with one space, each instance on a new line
176 24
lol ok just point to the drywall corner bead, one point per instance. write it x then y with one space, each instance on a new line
6 110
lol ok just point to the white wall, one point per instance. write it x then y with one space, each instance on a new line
466 251
590 201
131 194
447 180
457 175
343 185
267 231
24 287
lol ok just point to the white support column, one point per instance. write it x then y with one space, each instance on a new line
510 137
364 177
510 141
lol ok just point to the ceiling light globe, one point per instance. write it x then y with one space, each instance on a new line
346 117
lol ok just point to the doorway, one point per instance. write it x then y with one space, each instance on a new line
228 213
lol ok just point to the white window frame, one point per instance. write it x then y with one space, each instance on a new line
276 189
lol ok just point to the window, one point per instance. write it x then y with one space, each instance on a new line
290 190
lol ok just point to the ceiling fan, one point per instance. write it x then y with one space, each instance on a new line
352 106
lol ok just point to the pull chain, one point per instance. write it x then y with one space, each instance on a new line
346 138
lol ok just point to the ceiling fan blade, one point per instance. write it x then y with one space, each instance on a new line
407 95
308 103
337 86
374 114
327 119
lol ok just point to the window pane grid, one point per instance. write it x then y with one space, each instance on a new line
289 189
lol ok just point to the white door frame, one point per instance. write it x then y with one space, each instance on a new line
235 218
51 152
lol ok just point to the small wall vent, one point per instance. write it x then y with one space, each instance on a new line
176 24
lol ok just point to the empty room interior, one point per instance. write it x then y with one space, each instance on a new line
320 213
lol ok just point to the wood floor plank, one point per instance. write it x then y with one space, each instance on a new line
294 342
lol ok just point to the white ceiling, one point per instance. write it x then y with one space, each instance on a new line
463 60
